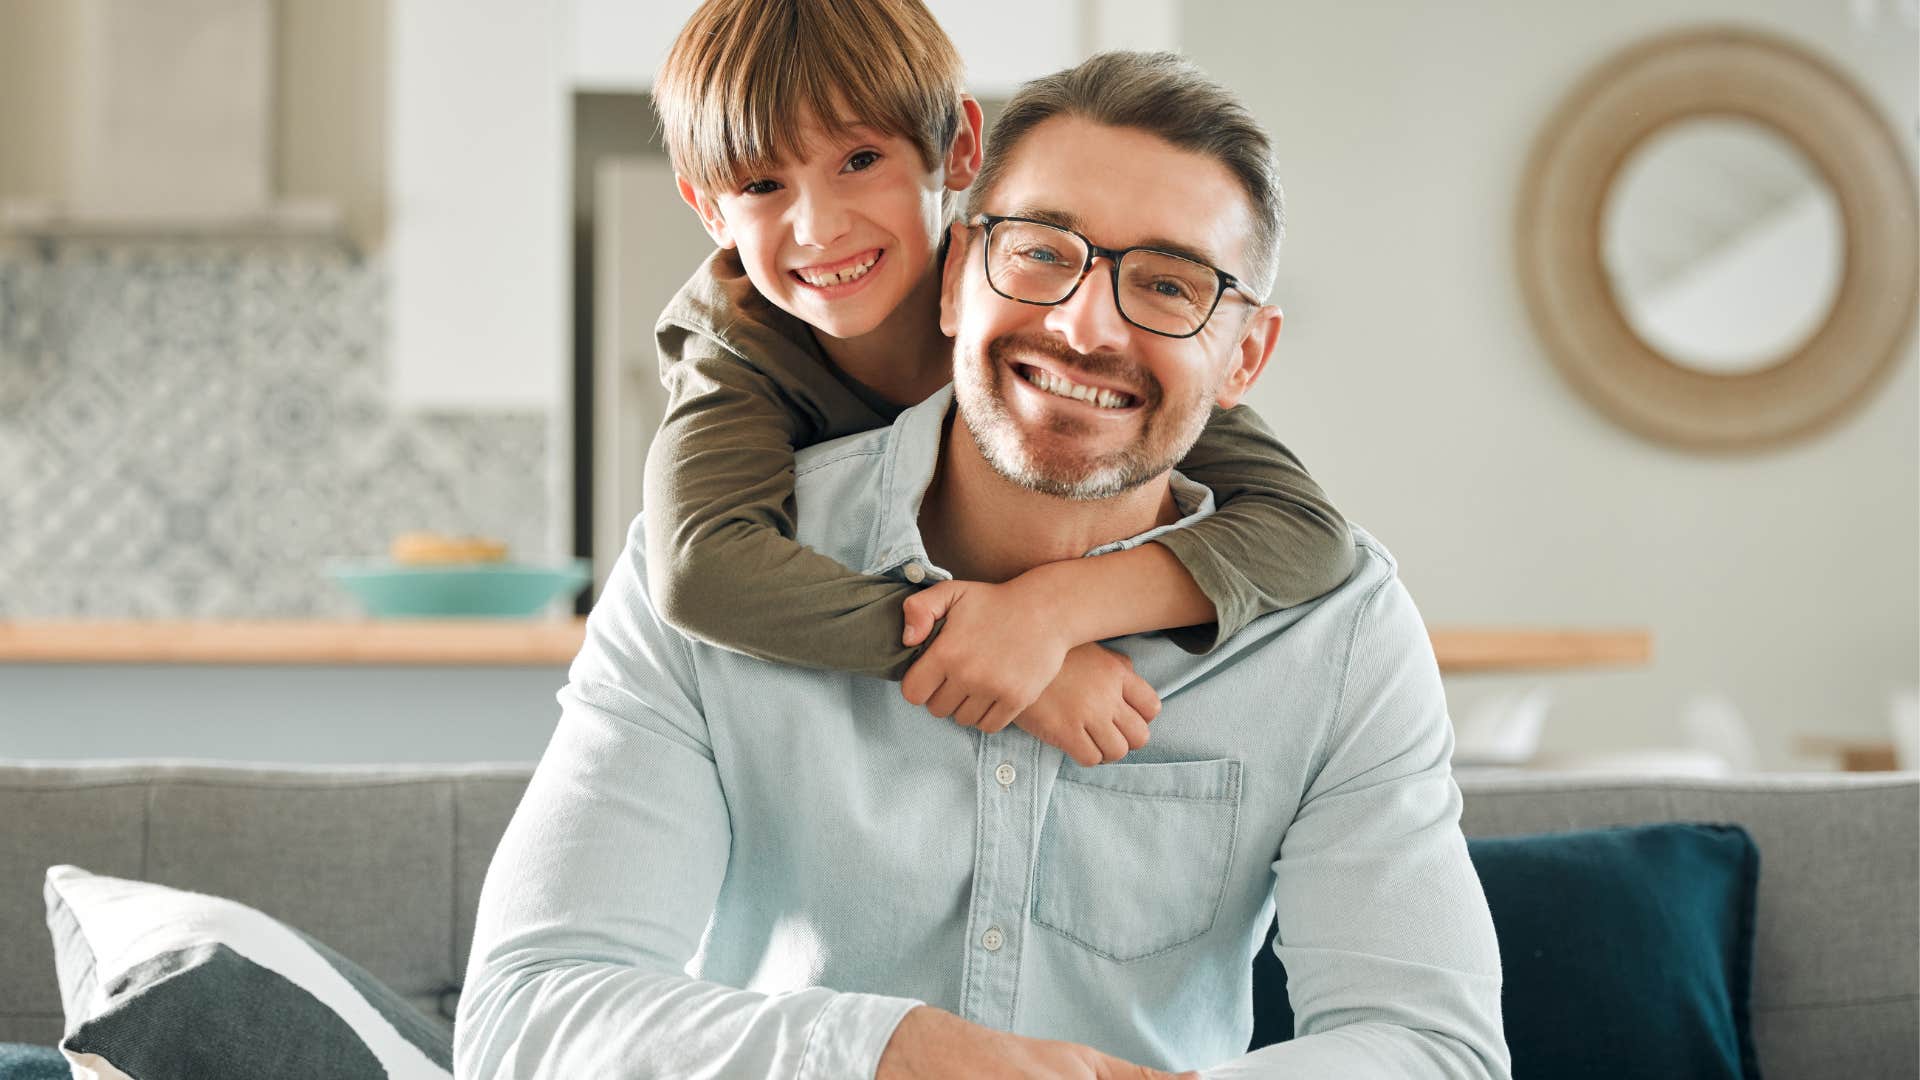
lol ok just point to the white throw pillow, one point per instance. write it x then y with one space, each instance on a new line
159 983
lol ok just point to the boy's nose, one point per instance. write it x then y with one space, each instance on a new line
1089 321
819 221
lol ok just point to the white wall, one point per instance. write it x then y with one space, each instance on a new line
1411 382
617 45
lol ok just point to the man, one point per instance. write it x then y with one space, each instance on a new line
727 868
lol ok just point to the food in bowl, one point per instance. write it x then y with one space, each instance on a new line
435 549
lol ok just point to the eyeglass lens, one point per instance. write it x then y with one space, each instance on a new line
1041 264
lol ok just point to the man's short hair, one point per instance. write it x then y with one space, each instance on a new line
1162 94
744 74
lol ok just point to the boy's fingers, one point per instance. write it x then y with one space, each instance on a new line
1080 748
1106 734
921 681
1141 696
945 700
1133 728
925 608
997 718
971 712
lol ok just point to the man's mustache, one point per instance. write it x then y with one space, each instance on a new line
1108 367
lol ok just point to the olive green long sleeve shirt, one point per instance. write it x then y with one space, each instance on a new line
747 386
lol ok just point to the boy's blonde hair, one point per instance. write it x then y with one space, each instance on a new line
744 74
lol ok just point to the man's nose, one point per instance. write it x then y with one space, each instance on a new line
819 219
1089 320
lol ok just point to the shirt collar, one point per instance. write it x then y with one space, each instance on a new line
913 451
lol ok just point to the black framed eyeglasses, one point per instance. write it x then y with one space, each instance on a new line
1033 262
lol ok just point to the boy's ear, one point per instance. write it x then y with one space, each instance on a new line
1249 358
707 210
952 272
963 155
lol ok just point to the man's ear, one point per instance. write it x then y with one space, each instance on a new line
952 276
963 154
707 210
1250 356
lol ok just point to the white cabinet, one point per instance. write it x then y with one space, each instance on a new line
477 185
619 44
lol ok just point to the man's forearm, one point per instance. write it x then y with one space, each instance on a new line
586 1018
1363 1049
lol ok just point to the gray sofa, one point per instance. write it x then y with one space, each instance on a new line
385 864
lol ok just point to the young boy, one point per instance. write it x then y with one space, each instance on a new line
820 144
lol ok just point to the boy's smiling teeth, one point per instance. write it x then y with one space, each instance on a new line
1054 384
853 271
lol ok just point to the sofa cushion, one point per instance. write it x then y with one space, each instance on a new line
1626 952
140 965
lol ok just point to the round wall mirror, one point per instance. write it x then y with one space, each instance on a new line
1716 241
1723 245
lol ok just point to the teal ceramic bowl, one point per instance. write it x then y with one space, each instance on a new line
458 590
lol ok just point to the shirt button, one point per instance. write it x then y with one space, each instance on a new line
993 939
1004 774
916 573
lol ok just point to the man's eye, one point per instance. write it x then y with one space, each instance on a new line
1171 289
760 187
1043 255
865 159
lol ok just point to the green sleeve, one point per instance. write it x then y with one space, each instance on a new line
722 563
1273 540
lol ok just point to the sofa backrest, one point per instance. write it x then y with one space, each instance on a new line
1836 969
385 864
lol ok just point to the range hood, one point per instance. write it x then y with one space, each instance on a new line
169 108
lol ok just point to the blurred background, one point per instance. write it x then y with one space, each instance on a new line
282 281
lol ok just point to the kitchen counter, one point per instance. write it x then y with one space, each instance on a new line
553 642
420 642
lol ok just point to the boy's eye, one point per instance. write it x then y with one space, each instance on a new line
760 187
865 159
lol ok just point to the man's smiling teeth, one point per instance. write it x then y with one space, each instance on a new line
1054 384
842 276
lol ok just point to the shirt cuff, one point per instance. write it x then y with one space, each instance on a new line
850 1034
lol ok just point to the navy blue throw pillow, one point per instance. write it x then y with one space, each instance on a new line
1626 953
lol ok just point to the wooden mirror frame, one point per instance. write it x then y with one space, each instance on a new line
1720 74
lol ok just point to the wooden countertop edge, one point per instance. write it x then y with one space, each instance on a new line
553 642
426 642
1466 650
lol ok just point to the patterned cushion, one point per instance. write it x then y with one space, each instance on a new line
159 983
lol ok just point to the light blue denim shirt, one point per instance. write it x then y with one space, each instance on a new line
724 867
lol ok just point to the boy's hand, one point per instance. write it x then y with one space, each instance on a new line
995 655
1096 710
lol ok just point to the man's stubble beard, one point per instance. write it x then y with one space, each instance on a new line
1167 431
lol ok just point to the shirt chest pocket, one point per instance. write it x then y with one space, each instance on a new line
1133 859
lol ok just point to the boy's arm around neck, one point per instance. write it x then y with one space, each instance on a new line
723 566
1274 539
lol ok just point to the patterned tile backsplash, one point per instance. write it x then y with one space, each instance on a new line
193 430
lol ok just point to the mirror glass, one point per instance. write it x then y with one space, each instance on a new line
1724 245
